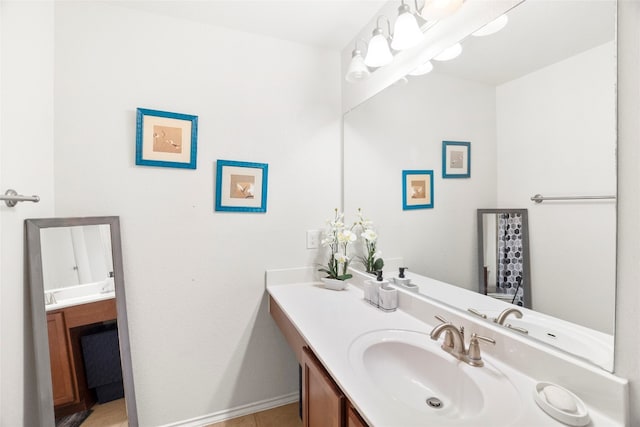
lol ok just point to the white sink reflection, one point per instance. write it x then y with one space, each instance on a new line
405 369
80 294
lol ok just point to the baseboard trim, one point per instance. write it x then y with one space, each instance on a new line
238 411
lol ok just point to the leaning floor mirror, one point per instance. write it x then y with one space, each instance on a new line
81 338
503 255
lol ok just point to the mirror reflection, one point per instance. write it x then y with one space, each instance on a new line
503 255
537 104
75 267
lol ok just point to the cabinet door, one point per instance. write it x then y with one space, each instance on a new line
323 404
354 419
63 391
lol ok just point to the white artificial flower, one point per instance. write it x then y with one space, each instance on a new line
341 258
346 236
369 235
328 241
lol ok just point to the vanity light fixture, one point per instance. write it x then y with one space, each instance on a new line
422 69
492 27
449 53
357 70
378 51
437 9
406 31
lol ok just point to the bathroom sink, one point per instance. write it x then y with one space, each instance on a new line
79 294
416 380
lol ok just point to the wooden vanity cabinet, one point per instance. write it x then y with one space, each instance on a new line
63 386
323 403
65 327
354 419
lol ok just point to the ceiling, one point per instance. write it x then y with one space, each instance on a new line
539 33
330 24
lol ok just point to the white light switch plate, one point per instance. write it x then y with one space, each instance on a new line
313 239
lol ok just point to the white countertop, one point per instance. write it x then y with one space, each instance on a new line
330 321
70 302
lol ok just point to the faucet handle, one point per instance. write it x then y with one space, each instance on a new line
440 318
476 312
473 355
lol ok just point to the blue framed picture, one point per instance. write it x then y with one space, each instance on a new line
417 189
166 139
241 186
456 159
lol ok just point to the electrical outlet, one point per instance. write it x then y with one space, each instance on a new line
313 239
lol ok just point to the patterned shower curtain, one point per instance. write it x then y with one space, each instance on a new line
510 257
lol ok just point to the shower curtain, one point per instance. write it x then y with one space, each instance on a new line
510 257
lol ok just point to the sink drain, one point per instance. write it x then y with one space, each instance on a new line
434 402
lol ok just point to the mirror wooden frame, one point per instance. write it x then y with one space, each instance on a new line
526 267
39 318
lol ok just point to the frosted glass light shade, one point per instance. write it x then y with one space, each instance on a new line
493 26
357 71
437 9
449 53
378 52
422 69
406 32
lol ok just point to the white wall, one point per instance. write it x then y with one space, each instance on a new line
627 344
26 165
25 84
572 243
403 128
202 339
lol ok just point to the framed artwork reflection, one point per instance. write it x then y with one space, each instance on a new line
166 139
417 189
456 159
241 186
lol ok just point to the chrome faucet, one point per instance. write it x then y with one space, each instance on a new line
503 316
454 343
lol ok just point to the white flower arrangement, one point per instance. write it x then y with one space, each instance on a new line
371 260
338 237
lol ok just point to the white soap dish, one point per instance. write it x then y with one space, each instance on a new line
561 404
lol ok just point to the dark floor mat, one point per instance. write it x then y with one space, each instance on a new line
73 420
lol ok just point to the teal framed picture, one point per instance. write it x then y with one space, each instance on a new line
456 159
241 186
166 139
417 189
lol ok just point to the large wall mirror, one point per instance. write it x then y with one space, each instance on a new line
537 103
83 359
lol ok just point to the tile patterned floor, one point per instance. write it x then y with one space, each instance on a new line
282 416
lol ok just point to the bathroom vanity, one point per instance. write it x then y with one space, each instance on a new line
363 366
65 327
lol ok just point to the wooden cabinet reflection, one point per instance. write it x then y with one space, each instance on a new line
66 326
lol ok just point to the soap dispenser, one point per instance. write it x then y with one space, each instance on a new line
405 282
372 289
401 279
387 296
